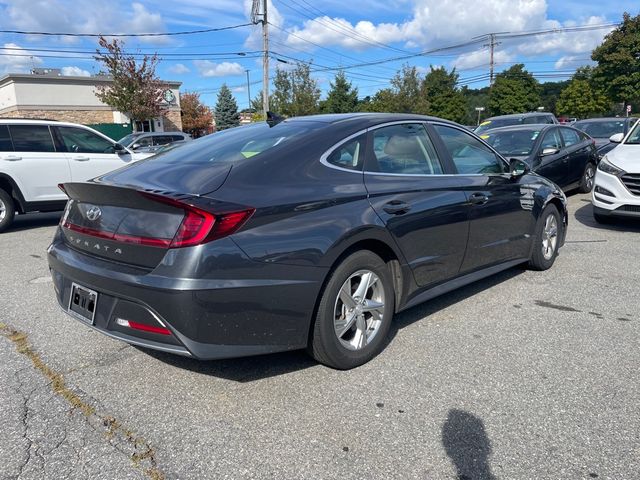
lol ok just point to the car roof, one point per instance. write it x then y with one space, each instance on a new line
157 134
367 118
30 121
521 115
528 126
604 119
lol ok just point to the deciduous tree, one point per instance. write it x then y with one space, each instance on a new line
135 89
196 117
514 91
445 100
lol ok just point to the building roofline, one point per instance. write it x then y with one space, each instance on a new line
31 78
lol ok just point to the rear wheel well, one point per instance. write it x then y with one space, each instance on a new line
378 247
10 188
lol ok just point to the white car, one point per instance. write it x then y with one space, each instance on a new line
616 191
37 155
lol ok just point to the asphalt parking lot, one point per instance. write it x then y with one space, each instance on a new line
523 375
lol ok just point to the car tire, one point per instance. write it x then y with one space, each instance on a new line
547 239
7 210
588 176
354 312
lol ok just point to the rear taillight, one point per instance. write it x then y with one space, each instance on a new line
200 226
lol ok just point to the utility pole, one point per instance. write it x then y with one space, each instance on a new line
492 45
265 59
248 89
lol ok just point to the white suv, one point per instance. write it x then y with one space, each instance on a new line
616 192
37 155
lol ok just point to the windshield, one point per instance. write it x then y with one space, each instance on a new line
601 129
512 142
496 123
634 137
128 140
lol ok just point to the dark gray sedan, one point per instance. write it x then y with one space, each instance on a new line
309 232
564 155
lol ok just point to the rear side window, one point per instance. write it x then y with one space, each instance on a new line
551 140
405 150
569 136
176 138
349 155
5 139
469 154
79 140
31 138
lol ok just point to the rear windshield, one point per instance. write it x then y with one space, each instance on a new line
236 144
603 129
498 122
512 142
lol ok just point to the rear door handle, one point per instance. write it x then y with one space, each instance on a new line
396 207
478 199
81 159
12 158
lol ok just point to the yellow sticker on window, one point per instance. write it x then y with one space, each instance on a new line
484 137
486 122
249 154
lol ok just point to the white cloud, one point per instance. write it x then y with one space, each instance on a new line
207 68
84 16
10 62
74 72
179 69
480 59
238 89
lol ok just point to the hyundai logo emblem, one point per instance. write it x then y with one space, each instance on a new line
94 213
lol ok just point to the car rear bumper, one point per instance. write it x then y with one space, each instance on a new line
204 318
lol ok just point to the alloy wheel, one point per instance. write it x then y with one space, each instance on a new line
549 237
359 310
589 175
3 210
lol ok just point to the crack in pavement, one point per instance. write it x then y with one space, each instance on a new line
125 441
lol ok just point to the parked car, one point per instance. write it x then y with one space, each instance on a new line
564 155
151 142
617 184
600 129
37 155
311 232
516 119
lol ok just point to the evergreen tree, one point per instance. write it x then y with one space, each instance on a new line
226 111
444 99
342 97
514 91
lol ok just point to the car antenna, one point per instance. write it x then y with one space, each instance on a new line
273 119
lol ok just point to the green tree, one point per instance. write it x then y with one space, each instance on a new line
226 111
342 97
135 89
196 117
514 91
445 100
295 92
549 94
580 100
404 96
618 57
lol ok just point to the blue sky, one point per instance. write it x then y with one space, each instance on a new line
332 34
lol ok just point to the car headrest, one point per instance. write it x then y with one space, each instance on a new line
401 145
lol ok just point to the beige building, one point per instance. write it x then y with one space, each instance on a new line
46 94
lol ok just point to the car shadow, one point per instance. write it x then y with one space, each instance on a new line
249 369
34 220
584 215
466 442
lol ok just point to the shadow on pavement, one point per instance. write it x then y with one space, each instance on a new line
34 220
467 445
264 366
584 215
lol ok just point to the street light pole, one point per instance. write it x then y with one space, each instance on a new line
479 109
248 89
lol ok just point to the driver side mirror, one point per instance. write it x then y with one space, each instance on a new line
135 146
616 138
549 151
518 167
119 149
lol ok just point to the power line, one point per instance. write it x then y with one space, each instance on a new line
157 34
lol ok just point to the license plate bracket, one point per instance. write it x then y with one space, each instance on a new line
83 303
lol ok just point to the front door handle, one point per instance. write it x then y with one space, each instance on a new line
478 198
396 207
12 158
81 159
